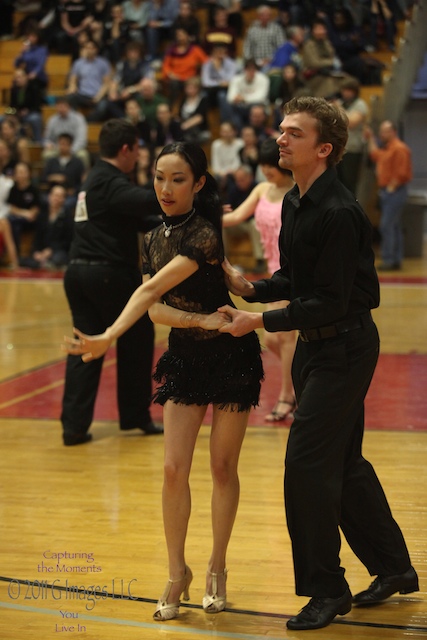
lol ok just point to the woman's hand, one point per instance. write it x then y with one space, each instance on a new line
89 347
214 321
236 283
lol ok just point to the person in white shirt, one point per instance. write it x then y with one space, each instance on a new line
225 158
246 89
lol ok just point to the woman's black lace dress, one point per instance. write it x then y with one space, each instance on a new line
201 367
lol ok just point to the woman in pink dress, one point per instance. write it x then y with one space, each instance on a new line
265 202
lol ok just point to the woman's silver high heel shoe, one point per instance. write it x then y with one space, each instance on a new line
169 611
213 603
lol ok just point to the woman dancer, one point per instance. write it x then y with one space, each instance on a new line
265 202
183 260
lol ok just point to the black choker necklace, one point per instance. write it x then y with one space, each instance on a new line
169 228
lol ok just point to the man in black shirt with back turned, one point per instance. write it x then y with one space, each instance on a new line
102 275
327 272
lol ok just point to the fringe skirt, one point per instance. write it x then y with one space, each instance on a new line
222 370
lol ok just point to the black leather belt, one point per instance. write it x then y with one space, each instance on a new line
334 330
83 261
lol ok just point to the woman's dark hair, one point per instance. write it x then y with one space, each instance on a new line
114 134
269 155
207 200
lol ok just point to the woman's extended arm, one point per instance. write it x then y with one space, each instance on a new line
246 209
173 317
92 347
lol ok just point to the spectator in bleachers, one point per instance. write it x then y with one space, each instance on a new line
349 46
249 153
216 74
134 114
23 201
144 167
32 60
246 89
65 169
74 16
135 12
168 128
15 140
263 38
239 188
66 120
357 112
225 157
321 66
258 119
128 74
220 33
290 84
25 101
6 237
7 165
233 9
380 9
53 233
148 98
188 20
115 34
290 51
89 82
183 60
193 113
162 14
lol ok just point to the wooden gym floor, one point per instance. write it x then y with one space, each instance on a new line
84 519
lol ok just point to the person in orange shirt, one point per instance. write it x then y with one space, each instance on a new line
394 172
183 60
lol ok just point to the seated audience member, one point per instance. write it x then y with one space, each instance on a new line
133 113
101 12
7 165
168 129
66 120
32 60
74 16
144 167
290 84
15 140
25 101
239 188
233 13
6 237
65 169
381 11
24 203
320 65
128 74
245 89
53 233
225 154
116 34
349 46
183 60
249 153
161 16
89 82
357 112
220 33
135 12
148 98
287 53
258 120
193 113
263 38
186 19
216 74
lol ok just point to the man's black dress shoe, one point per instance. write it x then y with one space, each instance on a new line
151 429
70 439
320 612
385 586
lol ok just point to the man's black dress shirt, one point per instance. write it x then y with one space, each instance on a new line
327 262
